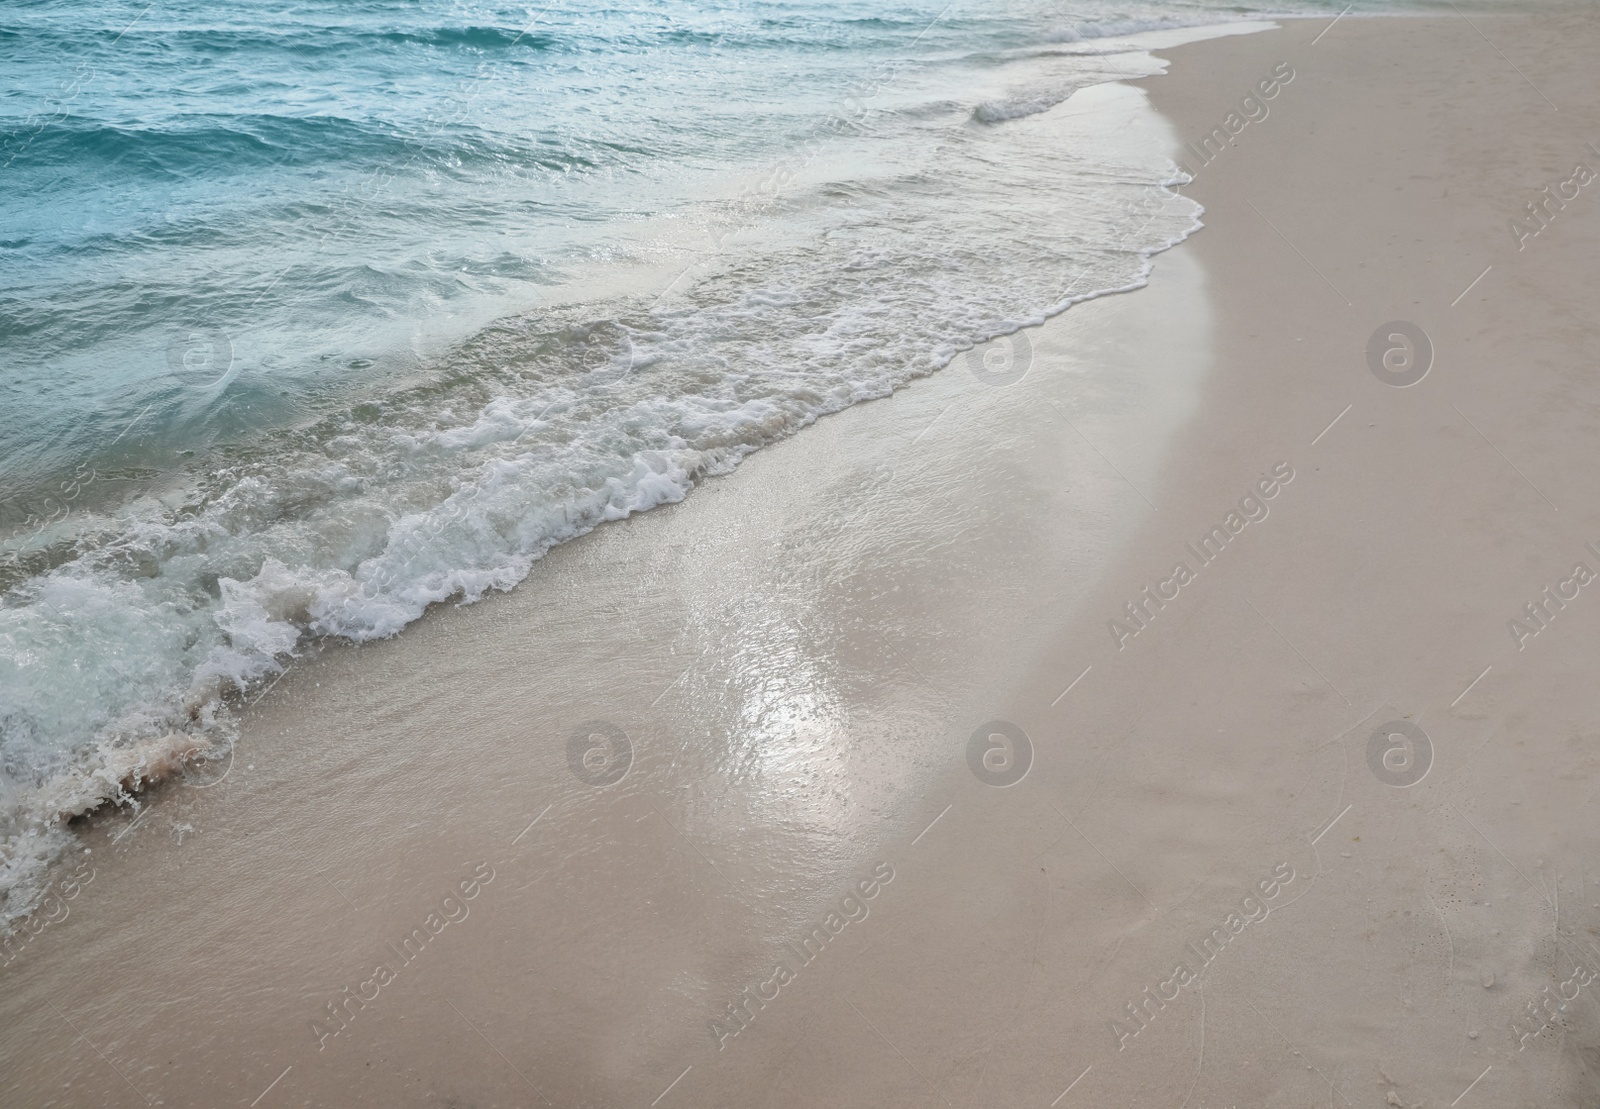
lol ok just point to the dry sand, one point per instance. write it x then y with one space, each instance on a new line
797 666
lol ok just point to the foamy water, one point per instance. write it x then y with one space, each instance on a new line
316 318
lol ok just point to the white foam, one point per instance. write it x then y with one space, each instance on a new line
117 662
1121 28
999 111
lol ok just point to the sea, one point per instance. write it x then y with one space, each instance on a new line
317 313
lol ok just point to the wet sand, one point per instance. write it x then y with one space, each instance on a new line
1219 881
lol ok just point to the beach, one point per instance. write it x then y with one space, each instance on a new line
1182 702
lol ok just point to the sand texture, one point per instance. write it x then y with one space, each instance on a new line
1204 719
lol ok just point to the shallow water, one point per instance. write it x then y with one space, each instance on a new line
315 315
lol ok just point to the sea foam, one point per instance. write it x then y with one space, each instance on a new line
136 624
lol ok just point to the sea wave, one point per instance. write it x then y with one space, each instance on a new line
1001 111
243 144
192 539
1120 28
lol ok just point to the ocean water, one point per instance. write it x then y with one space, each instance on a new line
315 314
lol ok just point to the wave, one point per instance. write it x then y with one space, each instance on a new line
301 39
477 38
1118 28
533 433
1064 42
234 144
1000 111
172 574
243 145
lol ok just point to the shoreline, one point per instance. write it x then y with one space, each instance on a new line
895 480
912 662
235 581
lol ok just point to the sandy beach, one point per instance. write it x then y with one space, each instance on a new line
1188 706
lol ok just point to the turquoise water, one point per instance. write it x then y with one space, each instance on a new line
315 314
341 190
